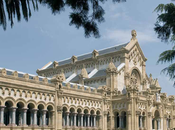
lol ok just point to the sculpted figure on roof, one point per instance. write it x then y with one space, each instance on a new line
134 35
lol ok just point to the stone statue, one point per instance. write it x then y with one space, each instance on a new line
134 35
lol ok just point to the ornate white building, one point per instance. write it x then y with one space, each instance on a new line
105 90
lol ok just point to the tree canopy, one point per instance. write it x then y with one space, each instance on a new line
165 29
85 13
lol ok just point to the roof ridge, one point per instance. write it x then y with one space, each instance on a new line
91 52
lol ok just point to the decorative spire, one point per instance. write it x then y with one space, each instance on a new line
111 67
134 35
84 73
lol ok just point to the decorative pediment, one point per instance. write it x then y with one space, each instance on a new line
135 51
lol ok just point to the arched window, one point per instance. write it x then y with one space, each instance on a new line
64 117
19 114
117 120
8 113
135 78
30 118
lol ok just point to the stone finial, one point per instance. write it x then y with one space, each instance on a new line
45 80
36 78
15 74
74 59
26 76
95 54
55 64
3 72
111 67
84 73
157 83
134 35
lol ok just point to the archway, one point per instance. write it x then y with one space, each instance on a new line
49 116
19 114
9 112
65 117
156 121
30 114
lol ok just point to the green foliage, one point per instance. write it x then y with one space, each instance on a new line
85 13
165 28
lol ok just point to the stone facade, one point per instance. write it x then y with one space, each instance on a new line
104 90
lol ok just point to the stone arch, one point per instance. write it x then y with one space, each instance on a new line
122 110
98 112
32 102
155 111
136 72
42 103
86 110
10 99
22 101
1 101
93 109
80 108
65 107
52 105
72 107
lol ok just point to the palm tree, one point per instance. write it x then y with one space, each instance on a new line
165 28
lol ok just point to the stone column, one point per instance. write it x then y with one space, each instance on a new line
67 120
51 122
2 115
120 121
94 120
13 116
91 124
64 119
81 120
128 122
35 117
155 124
75 119
88 120
85 121
71 120
158 124
44 117
31 117
141 122
164 122
137 120
24 111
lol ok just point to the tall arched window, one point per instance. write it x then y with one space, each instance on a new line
135 79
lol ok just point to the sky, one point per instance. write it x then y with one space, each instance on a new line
30 45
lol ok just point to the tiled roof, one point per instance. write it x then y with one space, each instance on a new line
89 55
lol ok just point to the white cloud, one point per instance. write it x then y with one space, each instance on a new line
121 36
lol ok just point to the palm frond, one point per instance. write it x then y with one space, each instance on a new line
166 56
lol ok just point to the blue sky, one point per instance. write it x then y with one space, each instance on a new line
46 37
